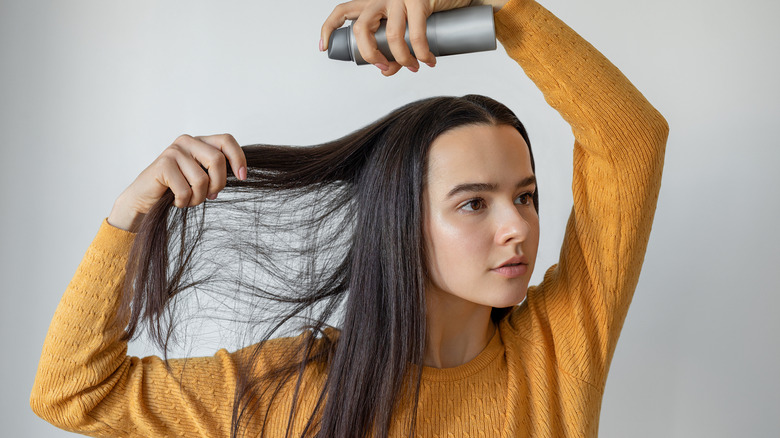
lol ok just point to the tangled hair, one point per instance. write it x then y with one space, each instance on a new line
334 231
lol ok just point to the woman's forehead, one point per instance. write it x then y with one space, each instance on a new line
487 154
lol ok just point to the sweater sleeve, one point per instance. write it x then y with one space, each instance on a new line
579 308
86 383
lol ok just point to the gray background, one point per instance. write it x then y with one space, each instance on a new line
92 91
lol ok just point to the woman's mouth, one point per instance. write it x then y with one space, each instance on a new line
512 269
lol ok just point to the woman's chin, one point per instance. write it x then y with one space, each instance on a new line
510 300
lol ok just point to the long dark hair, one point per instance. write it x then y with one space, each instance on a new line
336 236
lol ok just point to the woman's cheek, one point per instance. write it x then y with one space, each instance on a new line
463 246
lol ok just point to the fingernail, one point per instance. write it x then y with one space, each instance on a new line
381 66
430 64
413 69
321 45
242 173
212 196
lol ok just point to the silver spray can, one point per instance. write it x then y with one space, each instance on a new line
462 30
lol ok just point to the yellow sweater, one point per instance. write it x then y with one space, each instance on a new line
543 373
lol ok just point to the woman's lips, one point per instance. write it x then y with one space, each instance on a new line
511 271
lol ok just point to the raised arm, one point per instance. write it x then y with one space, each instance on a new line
618 159
86 382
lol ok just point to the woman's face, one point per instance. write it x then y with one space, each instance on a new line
480 225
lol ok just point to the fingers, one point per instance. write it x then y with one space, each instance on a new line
367 15
364 29
171 176
395 29
418 14
195 168
341 13
196 179
205 184
231 149
392 69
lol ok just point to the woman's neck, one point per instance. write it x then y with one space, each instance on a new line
457 330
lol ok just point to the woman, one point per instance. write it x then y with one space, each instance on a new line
441 207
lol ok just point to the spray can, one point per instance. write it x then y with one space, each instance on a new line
461 30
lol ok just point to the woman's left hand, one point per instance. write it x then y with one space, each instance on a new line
367 14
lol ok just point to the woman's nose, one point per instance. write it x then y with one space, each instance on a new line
511 226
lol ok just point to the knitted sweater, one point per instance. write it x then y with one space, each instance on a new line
543 373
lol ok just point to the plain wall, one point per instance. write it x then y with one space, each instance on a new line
92 91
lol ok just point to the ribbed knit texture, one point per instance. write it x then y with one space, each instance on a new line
542 374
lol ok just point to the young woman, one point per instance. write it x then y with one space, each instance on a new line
435 209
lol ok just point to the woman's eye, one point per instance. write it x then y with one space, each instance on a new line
473 205
524 199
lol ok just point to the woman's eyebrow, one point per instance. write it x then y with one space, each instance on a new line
487 187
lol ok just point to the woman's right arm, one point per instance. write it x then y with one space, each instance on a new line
192 167
86 383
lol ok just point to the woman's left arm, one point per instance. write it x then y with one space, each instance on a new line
619 150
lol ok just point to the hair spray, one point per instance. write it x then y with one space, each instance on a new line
461 30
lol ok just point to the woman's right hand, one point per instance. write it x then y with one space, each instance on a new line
193 168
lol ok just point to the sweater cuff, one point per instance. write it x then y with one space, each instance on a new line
113 240
510 20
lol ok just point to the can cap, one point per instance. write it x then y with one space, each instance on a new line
338 45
